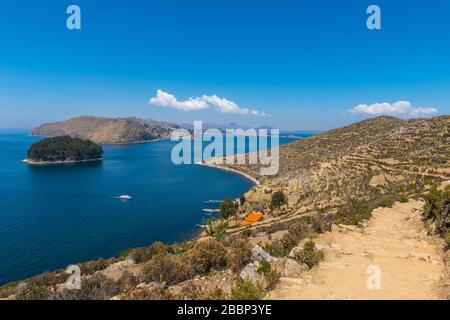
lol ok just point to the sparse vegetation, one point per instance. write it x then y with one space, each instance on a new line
278 199
437 210
227 209
140 255
164 268
353 212
309 255
264 267
207 255
239 254
245 290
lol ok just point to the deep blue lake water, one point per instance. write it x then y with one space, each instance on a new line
53 216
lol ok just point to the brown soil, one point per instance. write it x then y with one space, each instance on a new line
394 239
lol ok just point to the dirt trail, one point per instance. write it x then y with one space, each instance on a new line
394 240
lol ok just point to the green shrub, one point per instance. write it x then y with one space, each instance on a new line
216 229
272 279
386 202
282 247
227 208
444 216
242 199
264 267
353 212
207 255
246 233
245 290
278 199
309 255
432 204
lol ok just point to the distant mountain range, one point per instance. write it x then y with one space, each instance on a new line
131 130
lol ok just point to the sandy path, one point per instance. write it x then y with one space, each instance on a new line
394 240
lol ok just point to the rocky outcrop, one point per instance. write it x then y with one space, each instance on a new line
250 273
258 254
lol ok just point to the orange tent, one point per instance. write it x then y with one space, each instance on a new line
254 217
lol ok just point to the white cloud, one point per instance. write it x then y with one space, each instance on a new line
167 100
222 105
399 108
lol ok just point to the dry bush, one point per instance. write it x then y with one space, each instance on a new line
149 293
96 287
206 255
164 268
194 291
93 266
33 291
239 254
141 255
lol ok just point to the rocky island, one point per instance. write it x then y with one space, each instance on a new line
63 149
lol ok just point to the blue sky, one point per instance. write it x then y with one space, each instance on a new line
304 63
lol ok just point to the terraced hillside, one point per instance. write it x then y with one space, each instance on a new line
380 156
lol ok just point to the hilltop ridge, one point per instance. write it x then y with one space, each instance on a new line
107 130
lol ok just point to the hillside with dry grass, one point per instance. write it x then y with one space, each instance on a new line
379 156
375 192
107 130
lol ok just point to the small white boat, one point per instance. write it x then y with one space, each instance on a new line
124 197
211 210
203 226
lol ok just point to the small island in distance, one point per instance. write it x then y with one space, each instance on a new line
63 149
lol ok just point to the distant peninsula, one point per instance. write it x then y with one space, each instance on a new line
107 130
63 149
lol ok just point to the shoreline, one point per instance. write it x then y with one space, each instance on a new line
43 163
135 142
216 166
109 143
